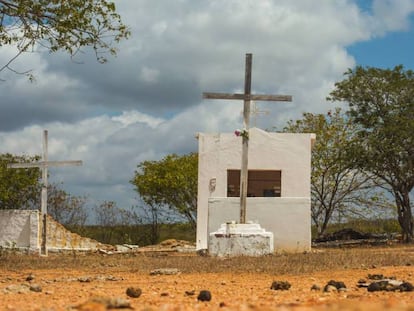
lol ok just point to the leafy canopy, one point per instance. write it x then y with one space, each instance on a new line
172 182
19 188
66 25
338 189
382 106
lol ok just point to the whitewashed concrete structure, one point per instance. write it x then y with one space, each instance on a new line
21 229
233 239
283 209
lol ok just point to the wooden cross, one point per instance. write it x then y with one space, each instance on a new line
255 112
247 97
43 165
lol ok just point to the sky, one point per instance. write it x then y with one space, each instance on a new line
146 102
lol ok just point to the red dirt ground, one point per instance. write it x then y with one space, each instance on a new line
64 289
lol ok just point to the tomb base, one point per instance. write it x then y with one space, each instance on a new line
233 239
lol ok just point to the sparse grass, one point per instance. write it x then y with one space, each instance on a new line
317 260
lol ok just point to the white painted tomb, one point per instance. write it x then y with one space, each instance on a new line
233 239
278 188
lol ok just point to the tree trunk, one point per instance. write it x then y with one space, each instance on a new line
405 217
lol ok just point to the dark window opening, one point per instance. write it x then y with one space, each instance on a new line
260 183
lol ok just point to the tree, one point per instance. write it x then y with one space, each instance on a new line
19 188
170 182
337 188
381 103
67 25
64 208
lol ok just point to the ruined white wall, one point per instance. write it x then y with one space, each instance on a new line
288 152
22 229
19 229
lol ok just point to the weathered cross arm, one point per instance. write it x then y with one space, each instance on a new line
44 164
239 96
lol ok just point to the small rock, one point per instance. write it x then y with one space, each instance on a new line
20 289
337 284
315 287
204 295
190 292
379 286
30 277
133 292
222 304
164 294
112 303
375 276
330 288
280 285
35 288
406 287
166 271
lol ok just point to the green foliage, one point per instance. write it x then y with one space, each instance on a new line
67 25
382 107
19 188
170 182
337 187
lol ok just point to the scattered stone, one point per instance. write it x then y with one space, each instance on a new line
190 292
30 277
204 295
389 286
133 292
406 287
222 305
85 279
280 285
107 302
361 282
164 294
337 284
90 306
315 287
35 288
376 277
15 288
378 286
330 288
165 271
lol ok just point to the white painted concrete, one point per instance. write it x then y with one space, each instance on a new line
287 217
233 239
21 229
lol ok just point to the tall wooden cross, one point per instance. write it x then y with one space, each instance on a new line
255 112
43 165
247 97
